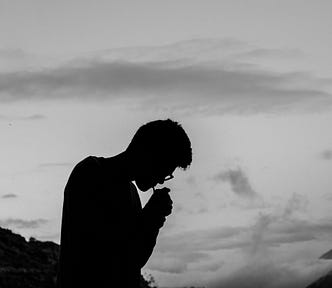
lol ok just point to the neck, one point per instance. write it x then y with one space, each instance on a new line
125 163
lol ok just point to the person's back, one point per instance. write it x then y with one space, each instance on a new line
106 236
98 223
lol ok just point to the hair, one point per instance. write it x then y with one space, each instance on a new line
164 139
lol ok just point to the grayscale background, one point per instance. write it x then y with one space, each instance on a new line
251 83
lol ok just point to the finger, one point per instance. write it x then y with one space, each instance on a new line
163 190
169 210
164 197
166 190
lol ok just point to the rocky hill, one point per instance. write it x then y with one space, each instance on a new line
26 264
33 263
323 282
327 255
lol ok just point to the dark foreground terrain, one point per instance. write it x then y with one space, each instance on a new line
323 282
26 264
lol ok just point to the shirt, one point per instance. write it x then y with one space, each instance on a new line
106 236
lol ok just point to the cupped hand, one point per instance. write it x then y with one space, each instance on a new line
161 201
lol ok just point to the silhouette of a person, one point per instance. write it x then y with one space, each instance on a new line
106 235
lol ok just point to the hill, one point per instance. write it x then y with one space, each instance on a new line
323 282
26 264
327 255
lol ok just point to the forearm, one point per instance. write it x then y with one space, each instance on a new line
150 225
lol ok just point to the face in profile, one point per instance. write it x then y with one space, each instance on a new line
150 175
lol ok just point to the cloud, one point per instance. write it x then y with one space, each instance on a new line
55 164
22 118
270 232
199 49
10 195
327 255
272 251
326 155
199 240
185 84
239 182
274 229
167 265
296 203
271 53
12 54
269 274
33 117
22 224
13 60
328 196
210 267
178 253
264 266
192 250
191 180
170 263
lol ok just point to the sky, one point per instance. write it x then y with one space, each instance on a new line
250 82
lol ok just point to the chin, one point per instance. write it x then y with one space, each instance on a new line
143 186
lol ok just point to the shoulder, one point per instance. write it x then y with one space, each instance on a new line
88 167
88 162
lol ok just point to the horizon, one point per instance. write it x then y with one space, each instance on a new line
250 82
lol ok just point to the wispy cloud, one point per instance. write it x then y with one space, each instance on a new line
22 224
22 118
33 117
326 155
12 53
238 181
296 203
176 253
199 49
13 60
271 53
168 265
8 196
269 232
175 264
328 196
55 164
204 85
273 230
271 274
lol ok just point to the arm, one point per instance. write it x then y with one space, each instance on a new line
152 218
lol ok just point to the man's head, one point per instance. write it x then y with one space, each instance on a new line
158 148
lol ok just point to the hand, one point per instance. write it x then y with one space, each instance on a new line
163 200
160 202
